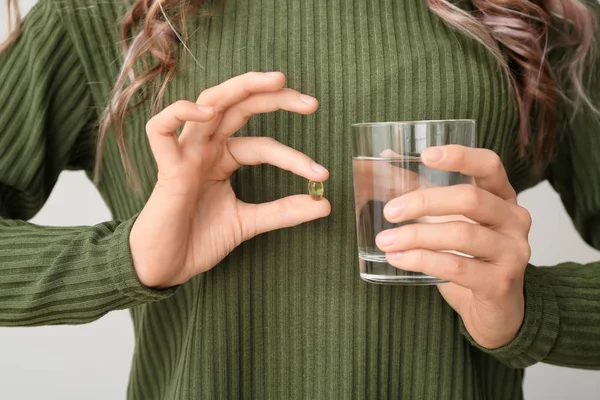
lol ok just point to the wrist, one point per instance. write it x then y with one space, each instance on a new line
145 265
496 325
539 328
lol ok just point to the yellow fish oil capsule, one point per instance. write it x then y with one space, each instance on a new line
316 190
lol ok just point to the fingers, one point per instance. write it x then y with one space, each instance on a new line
482 164
161 129
463 271
283 213
285 99
464 237
229 94
237 89
264 150
468 200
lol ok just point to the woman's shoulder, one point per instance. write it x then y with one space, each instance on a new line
93 29
107 9
95 16
72 42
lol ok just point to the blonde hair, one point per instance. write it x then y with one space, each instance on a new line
519 33
527 31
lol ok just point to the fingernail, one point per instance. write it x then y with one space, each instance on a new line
394 256
307 99
203 109
394 210
319 169
385 239
275 73
432 154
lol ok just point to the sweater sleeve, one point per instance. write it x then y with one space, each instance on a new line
562 318
53 275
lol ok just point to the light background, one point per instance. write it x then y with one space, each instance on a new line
92 361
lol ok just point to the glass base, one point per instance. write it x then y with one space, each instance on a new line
408 280
375 269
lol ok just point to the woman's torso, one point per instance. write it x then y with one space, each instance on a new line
286 314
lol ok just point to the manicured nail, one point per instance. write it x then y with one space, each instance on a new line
385 239
319 169
395 210
432 154
394 256
203 109
275 73
307 99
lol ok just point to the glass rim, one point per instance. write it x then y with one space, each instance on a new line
416 122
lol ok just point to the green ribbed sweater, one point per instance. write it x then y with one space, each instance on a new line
285 316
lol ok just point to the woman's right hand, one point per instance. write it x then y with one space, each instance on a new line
193 219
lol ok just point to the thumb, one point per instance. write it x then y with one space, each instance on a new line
282 213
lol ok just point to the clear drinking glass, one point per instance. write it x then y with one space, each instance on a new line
387 164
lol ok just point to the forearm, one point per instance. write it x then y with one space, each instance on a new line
71 275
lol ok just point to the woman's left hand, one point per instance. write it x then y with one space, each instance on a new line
486 290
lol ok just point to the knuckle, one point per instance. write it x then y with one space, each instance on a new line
524 250
495 162
249 80
411 235
506 283
422 201
527 219
418 257
264 146
283 208
501 288
462 232
206 93
416 201
458 155
471 196
245 112
268 141
179 104
516 253
511 274
524 216
457 265
414 257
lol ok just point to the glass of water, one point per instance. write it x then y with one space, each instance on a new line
387 164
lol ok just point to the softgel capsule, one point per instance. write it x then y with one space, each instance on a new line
316 190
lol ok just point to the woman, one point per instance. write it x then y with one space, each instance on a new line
225 304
